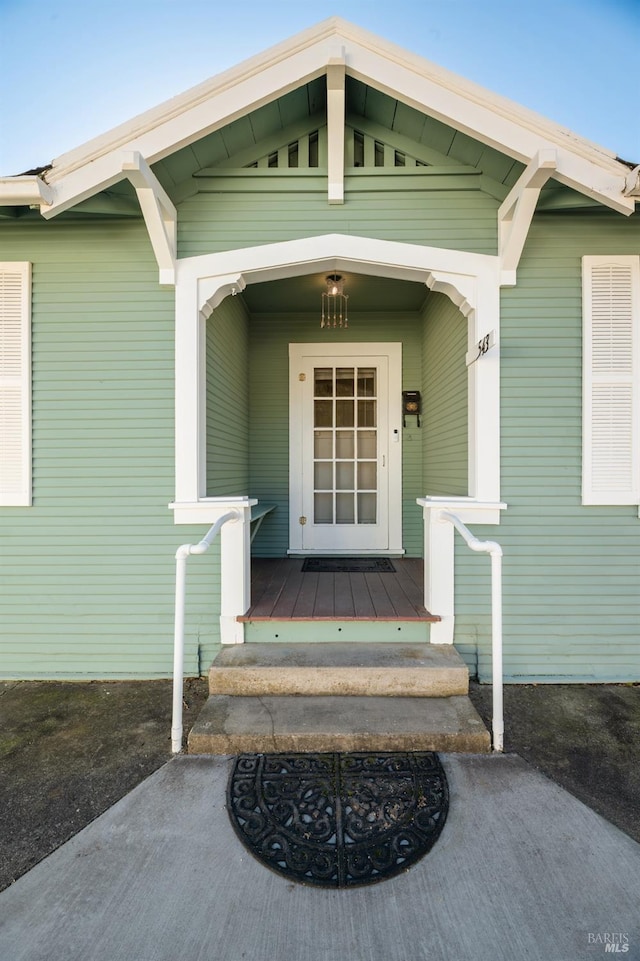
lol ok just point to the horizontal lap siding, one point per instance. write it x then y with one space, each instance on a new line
87 573
269 420
460 220
444 417
571 573
228 400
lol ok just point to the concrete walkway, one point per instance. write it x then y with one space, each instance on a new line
521 871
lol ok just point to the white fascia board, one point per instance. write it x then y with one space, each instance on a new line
491 119
70 186
24 191
581 165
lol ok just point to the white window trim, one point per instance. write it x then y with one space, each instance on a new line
623 487
20 494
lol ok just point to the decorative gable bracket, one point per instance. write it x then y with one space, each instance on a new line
516 211
632 183
160 215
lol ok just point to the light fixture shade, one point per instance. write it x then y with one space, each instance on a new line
334 303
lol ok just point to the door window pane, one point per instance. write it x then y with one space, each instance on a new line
366 413
323 413
323 509
345 509
366 382
367 508
367 443
367 475
345 412
323 381
345 382
323 475
344 476
344 444
323 444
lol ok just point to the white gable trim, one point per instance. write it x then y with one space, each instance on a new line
471 280
491 119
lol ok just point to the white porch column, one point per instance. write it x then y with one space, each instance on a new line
438 574
235 556
484 395
235 575
190 393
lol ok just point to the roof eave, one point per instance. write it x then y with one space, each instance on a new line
487 117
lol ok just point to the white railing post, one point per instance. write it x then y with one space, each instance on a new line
182 554
496 649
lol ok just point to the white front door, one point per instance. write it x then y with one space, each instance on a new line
345 468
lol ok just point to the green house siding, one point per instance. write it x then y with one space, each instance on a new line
246 211
269 419
87 573
228 399
571 573
444 402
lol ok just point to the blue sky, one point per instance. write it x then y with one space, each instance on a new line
70 70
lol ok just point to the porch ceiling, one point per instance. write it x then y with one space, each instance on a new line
366 294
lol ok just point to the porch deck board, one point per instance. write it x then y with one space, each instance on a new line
362 603
281 591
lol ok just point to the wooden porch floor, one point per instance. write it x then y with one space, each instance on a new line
281 591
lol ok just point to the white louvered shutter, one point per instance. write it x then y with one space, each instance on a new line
15 384
611 375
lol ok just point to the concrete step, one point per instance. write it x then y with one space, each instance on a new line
263 725
380 670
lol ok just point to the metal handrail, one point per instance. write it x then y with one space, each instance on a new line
494 549
182 554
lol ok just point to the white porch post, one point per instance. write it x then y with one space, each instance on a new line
484 395
438 573
189 389
235 575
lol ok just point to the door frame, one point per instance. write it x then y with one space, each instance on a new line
391 350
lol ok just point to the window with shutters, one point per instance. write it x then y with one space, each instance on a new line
611 380
15 384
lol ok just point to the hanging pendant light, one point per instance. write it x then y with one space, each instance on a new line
334 303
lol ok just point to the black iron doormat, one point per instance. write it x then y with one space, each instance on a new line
338 820
348 565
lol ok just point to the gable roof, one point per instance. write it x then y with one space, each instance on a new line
491 119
